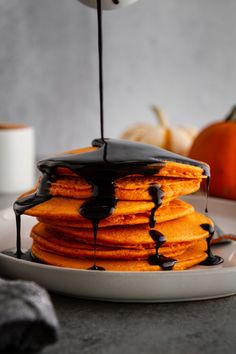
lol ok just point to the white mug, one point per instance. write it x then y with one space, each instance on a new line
108 4
16 158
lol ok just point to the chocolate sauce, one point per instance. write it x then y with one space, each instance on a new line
95 230
164 262
113 159
18 236
26 255
211 258
157 194
100 65
21 205
207 186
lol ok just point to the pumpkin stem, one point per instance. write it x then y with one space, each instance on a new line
160 116
232 115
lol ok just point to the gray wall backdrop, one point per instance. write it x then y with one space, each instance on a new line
180 54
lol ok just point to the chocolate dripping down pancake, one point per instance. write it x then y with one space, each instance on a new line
108 166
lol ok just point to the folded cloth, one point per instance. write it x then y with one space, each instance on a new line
27 318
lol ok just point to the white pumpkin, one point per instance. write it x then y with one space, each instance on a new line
177 139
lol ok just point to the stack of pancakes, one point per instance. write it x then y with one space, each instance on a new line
124 242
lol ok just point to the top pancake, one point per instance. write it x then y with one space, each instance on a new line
174 179
170 169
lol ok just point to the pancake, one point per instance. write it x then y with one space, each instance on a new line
170 168
128 188
183 229
49 243
193 255
65 246
65 211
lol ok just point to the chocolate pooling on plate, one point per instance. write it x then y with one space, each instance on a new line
101 167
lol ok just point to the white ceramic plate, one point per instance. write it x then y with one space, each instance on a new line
198 283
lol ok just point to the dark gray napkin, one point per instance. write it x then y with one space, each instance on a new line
27 318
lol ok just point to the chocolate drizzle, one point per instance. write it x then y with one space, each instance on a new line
101 167
211 258
95 230
207 186
100 66
21 205
164 262
157 194
26 255
18 236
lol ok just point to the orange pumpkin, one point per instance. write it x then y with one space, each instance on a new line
216 145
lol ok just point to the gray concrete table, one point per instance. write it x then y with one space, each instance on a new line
120 328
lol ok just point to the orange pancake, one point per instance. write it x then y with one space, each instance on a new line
184 229
170 169
65 211
191 257
65 246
